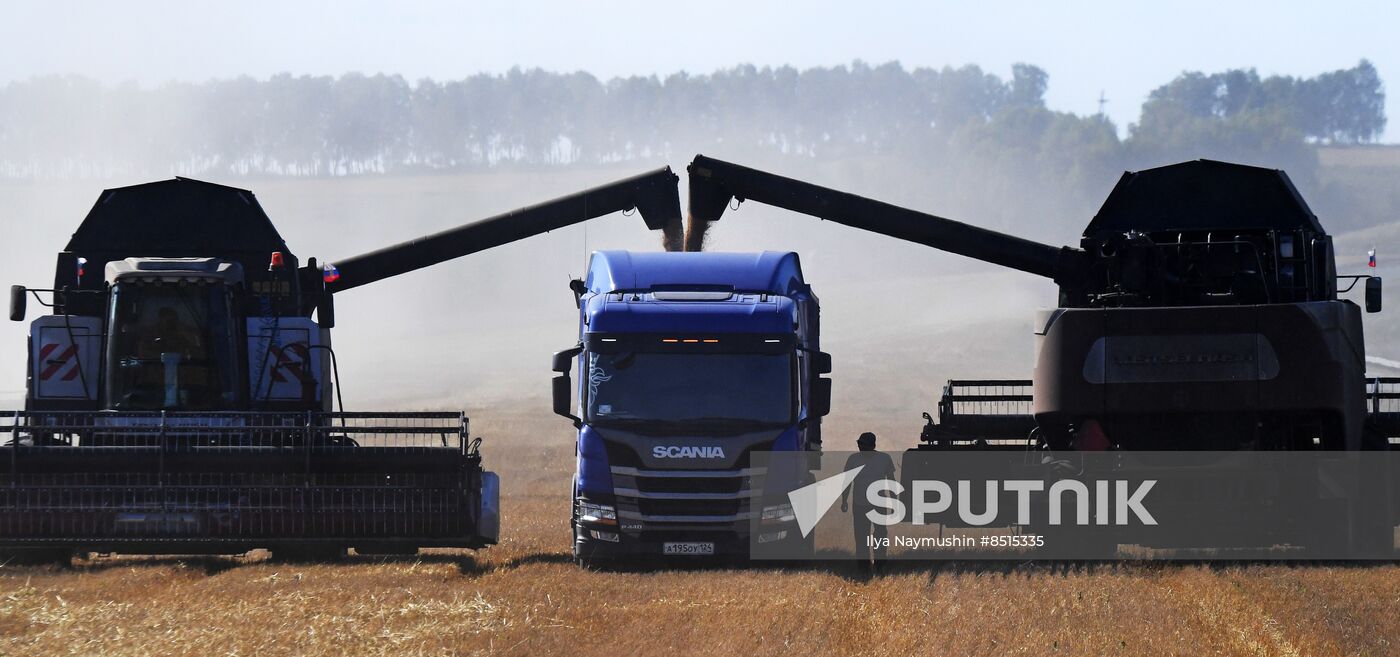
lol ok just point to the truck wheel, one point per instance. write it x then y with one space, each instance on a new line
594 563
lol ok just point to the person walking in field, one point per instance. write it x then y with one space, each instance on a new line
877 466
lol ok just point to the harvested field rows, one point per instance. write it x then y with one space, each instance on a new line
526 597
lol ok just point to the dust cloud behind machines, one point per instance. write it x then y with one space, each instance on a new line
478 331
475 333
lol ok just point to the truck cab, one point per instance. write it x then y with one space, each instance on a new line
689 363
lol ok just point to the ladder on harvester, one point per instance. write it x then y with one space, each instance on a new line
1383 407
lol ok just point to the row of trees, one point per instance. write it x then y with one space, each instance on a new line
318 126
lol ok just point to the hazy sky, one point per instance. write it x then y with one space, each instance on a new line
1123 49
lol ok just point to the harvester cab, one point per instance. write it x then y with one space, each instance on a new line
1206 233
169 346
180 394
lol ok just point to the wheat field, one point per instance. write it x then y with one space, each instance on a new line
894 346
525 597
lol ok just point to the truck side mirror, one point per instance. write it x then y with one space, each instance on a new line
325 311
562 388
1373 295
821 398
563 391
577 286
564 360
18 300
821 362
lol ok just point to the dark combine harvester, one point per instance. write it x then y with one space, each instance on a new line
1200 311
179 396
1199 314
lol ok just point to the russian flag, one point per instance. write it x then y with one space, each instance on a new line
330 274
1371 258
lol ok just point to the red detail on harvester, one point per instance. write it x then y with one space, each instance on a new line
1091 437
55 365
293 358
277 261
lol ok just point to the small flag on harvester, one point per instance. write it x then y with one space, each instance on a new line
1371 258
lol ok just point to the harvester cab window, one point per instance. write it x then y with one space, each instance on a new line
172 347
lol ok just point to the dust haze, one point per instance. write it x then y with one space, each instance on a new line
476 333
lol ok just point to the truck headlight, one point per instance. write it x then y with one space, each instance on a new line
778 513
598 514
772 537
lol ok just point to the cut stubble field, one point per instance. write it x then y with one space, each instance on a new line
525 596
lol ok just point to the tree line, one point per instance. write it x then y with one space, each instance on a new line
68 126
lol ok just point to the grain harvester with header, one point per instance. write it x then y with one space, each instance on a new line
1201 311
182 398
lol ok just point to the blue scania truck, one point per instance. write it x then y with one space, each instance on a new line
689 363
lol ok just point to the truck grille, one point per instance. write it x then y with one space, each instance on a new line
686 496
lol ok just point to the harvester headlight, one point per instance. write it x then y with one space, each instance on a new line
778 513
598 514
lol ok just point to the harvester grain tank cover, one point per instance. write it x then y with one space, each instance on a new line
1203 195
175 218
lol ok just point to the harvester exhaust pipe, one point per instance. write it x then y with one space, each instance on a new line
653 194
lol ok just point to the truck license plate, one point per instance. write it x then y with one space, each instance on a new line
687 548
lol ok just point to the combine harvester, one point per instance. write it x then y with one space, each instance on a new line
689 363
179 395
1200 312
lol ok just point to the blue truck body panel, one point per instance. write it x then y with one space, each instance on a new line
643 313
767 271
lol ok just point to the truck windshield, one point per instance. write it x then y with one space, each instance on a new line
707 392
172 347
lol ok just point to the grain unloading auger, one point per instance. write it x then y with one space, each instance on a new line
180 394
1200 311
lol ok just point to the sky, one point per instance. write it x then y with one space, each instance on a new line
1120 49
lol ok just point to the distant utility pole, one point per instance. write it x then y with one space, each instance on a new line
1102 101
